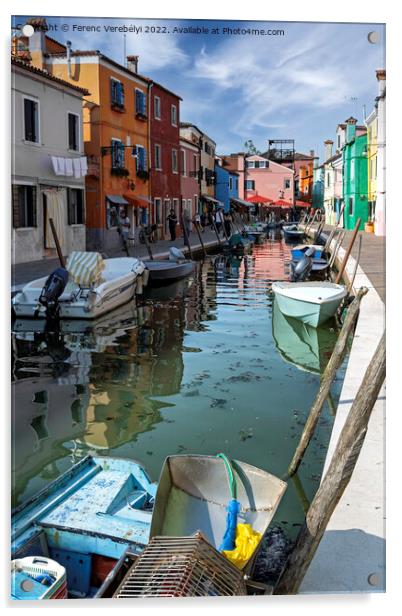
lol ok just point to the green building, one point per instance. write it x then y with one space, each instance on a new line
355 180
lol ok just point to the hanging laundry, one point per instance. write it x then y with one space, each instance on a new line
77 167
84 166
69 166
61 164
55 165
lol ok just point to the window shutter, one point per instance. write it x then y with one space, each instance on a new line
15 197
34 207
29 119
70 213
113 90
121 155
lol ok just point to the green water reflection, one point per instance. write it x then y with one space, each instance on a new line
199 367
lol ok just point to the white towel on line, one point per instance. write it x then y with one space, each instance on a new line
61 165
77 167
84 166
69 166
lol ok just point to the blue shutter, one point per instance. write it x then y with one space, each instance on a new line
112 90
121 157
143 103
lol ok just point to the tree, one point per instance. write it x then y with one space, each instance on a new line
250 148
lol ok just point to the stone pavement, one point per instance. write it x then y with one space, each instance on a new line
22 273
372 258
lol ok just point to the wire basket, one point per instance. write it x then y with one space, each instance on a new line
181 567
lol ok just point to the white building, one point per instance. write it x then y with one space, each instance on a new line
48 164
380 215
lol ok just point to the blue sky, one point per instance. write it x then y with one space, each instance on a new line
297 86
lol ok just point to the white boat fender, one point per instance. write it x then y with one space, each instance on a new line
176 255
145 277
139 287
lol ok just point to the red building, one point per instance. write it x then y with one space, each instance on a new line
165 155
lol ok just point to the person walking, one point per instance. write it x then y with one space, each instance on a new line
124 225
227 223
172 221
203 221
219 220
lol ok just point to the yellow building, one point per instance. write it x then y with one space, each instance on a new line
372 149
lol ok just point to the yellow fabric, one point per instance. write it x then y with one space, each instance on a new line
247 541
55 209
85 268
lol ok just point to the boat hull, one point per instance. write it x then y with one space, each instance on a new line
310 311
166 272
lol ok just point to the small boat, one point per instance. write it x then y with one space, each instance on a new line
88 287
311 302
166 271
292 232
256 230
299 251
86 519
193 493
37 577
308 348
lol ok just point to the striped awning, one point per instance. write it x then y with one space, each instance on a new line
85 268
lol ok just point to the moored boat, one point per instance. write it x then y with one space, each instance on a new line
89 287
36 577
166 271
86 519
292 232
311 302
193 493
299 251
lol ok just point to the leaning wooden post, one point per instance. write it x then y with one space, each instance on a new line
326 381
57 244
200 238
216 231
348 251
337 477
186 237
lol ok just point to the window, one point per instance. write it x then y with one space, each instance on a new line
195 162
189 205
230 183
183 162
140 103
31 120
352 169
174 161
196 204
339 142
117 154
209 177
173 114
176 208
75 205
141 164
157 107
250 164
158 211
350 206
208 148
158 158
328 180
249 184
24 206
287 183
116 93
73 132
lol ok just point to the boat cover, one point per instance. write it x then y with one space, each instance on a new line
85 268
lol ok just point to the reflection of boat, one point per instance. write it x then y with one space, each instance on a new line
311 302
193 493
114 283
308 348
86 519
256 230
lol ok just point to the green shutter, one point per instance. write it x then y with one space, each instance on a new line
15 204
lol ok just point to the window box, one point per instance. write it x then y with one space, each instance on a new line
118 107
141 116
121 172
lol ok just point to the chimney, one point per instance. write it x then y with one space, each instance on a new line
328 148
132 63
350 129
312 153
380 74
37 42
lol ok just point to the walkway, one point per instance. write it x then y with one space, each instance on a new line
22 273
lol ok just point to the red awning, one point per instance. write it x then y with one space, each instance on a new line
302 204
138 201
283 203
258 199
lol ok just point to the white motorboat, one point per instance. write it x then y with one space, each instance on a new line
310 302
95 286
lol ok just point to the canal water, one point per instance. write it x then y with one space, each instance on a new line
205 366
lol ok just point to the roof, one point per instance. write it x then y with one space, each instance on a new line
189 142
332 158
42 73
358 126
96 52
191 125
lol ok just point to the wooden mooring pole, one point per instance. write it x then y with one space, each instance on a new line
200 238
57 243
337 477
326 381
186 236
348 251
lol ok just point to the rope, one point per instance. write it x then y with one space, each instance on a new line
231 477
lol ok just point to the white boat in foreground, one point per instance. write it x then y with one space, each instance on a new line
311 302
87 294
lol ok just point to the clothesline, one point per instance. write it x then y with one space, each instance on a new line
77 167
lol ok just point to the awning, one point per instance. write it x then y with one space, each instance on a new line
259 199
116 199
302 204
138 201
283 203
213 201
241 202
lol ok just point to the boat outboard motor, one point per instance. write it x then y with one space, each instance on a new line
52 290
301 270
176 255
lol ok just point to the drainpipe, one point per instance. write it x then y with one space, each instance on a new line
68 47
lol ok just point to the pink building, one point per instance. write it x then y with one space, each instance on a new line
189 180
268 179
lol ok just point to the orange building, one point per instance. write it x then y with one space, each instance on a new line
116 136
